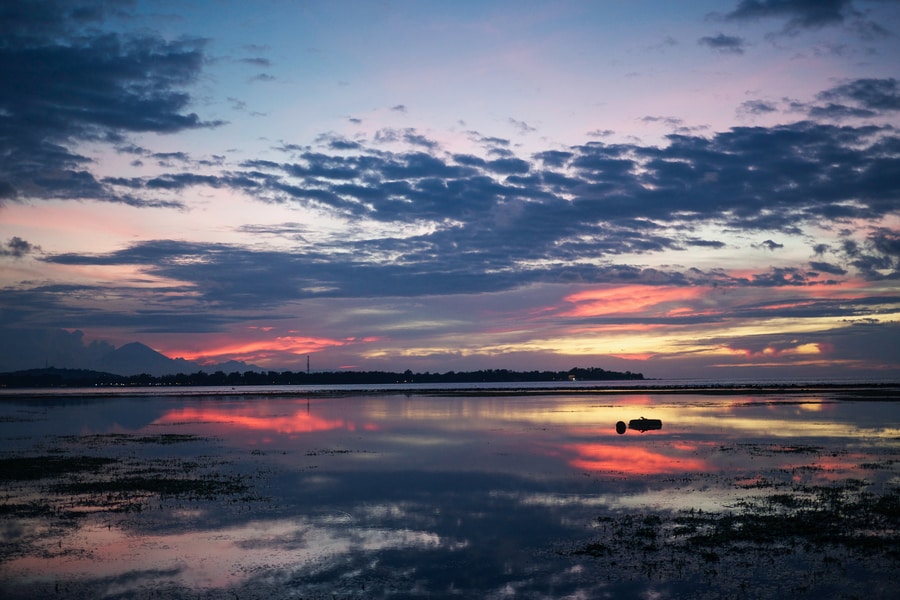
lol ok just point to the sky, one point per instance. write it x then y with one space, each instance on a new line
682 189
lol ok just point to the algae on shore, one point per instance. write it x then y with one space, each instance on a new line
806 537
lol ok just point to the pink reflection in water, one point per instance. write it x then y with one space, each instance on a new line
245 417
419 477
828 468
636 460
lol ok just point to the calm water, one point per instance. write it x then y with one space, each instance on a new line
404 495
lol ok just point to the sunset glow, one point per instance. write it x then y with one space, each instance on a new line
632 299
705 192
249 349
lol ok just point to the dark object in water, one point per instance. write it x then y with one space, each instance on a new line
641 425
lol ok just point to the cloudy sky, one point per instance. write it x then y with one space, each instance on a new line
704 188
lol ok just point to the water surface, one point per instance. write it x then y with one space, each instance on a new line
426 494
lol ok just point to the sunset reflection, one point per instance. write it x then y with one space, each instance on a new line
367 495
245 417
635 460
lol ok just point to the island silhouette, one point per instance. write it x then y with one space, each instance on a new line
53 377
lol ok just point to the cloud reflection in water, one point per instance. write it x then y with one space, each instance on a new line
415 494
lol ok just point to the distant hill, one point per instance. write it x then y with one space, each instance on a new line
136 358
24 349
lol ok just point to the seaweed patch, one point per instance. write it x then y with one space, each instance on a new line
818 530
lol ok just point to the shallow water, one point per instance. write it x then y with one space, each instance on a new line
421 494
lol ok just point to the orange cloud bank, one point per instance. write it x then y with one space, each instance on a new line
631 299
252 350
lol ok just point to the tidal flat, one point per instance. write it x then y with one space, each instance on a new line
744 493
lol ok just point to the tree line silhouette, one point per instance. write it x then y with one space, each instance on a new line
52 377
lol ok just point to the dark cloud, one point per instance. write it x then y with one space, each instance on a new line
407 135
859 98
508 166
256 61
886 241
66 81
16 247
867 341
878 257
780 277
221 284
705 243
230 277
725 44
299 148
521 126
757 107
840 112
415 139
41 18
233 278
798 14
677 125
489 142
492 220
237 278
673 122
168 159
877 94
24 348
827 268
331 141
553 158
593 200
854 99
769 245
870 340
7 191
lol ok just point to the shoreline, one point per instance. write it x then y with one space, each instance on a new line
858 391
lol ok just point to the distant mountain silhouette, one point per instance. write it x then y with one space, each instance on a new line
136 358
28 349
